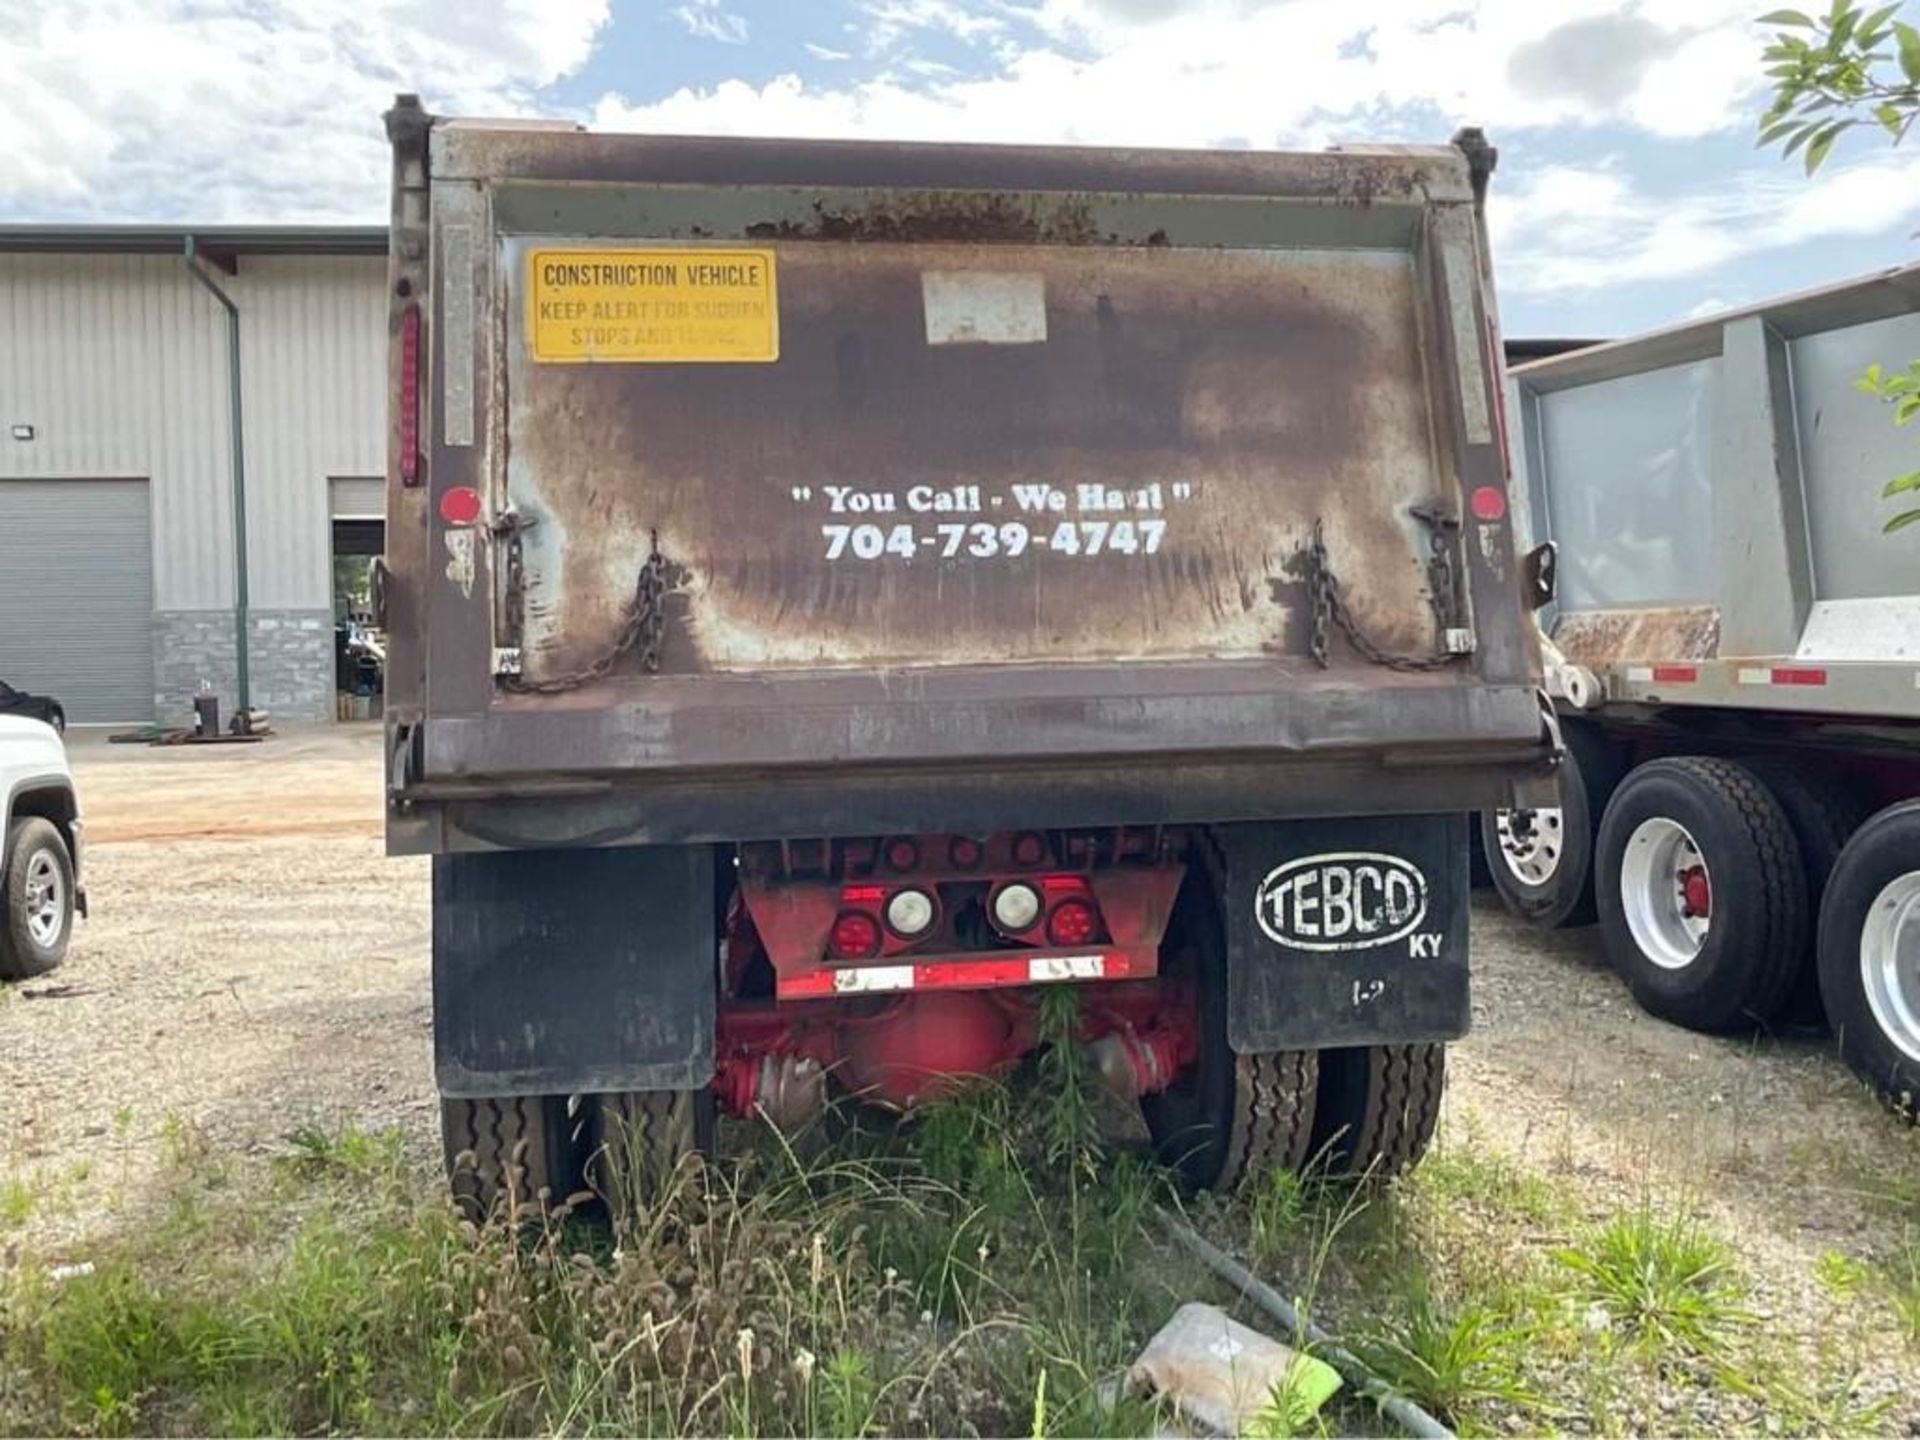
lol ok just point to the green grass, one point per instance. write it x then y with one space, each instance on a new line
1454 1359
1664 1279
16 1203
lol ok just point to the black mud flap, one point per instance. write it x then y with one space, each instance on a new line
1345 932
570 971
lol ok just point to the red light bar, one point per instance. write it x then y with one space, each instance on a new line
410 395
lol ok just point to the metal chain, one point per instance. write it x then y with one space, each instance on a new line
642 632
1330 603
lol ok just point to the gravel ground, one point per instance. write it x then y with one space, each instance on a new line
254 963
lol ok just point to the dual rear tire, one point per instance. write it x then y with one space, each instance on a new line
524 1158
1231 1117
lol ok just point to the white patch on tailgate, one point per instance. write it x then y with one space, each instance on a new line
984 307
460 559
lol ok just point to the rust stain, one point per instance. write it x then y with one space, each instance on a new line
965 216
1275 388
1607 637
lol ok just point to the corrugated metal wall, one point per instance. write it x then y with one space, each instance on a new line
314 354
120 364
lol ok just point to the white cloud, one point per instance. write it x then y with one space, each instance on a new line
708 21
825 52
243 110
1579 229
1207 72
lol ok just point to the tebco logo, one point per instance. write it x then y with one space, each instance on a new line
1350 901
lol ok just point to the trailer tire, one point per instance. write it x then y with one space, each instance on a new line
640 1143
513 1156
1870 955
1377 1108
1228 1116
1541 861
36 899
1733 965
1822 816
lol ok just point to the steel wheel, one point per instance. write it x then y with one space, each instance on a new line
1531 842
45 899
1890 961
1666 893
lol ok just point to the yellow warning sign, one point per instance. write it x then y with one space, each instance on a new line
661 306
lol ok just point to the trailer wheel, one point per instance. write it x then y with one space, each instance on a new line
1377 1109
1822 810
1703 899
641 1140
1870 954
1228 1116
1541 861
512 1155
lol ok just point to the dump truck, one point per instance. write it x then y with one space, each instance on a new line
837 591
1735 659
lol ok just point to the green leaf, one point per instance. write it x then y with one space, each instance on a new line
1786 17
1900 484
1875 25
1901 521
1909 50
1800 138
1823 142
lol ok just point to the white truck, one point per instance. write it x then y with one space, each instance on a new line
40 877
1737 672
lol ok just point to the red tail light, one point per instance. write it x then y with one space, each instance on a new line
410 395
854 936
1072 922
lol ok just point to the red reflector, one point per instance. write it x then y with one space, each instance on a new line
1793 676
410 395
854 936
863 894
1029 848
902 854
460 505
1489 502
1072 923
1055 883
1676 674
806 987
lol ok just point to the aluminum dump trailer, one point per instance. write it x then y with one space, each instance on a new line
1736 660
838 590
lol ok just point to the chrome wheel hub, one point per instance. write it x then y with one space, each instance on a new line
1530 842
1890 961
1666 893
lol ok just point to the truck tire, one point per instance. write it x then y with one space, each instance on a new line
1228 1116
1870 954
1823 811
638 1142
36 899
1541 861
1377 1108
1703 899
511 1156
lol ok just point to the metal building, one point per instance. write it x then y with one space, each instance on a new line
120 424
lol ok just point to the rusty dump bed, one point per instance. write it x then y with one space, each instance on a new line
747 488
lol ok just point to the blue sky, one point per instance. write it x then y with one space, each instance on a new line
1629 195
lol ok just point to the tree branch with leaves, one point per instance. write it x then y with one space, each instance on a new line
1847 69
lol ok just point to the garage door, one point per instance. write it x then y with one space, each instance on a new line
76 595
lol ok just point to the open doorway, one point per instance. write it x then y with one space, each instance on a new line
359 648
